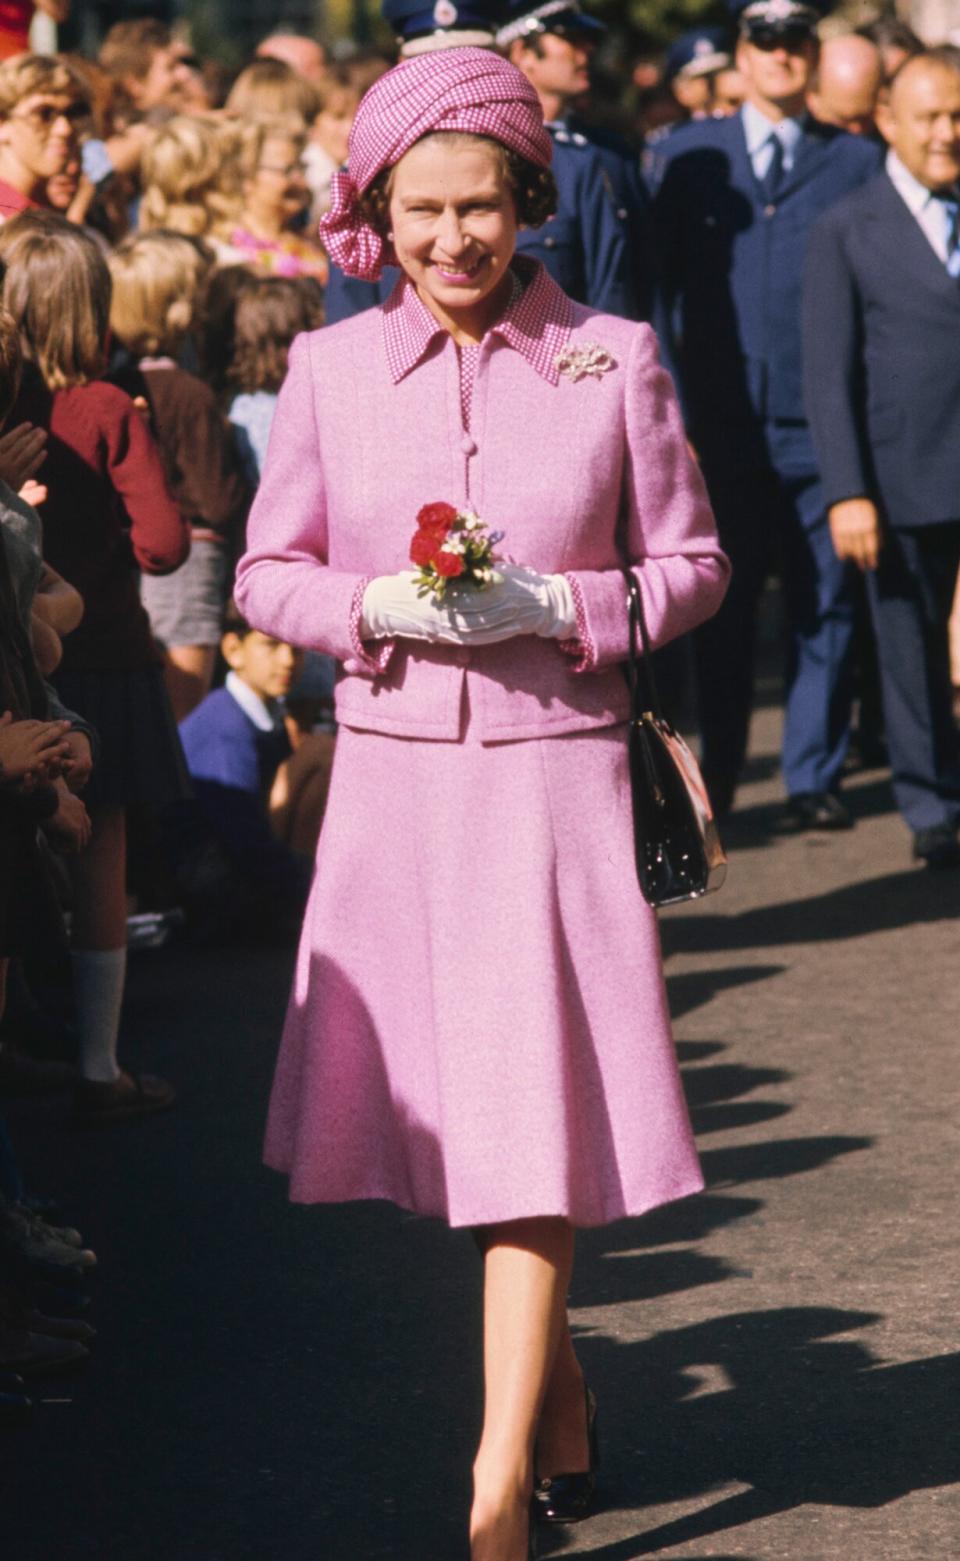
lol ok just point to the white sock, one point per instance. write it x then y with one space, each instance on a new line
98 981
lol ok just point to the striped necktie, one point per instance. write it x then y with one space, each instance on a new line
949 203
951 209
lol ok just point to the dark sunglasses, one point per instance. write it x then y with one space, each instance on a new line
45 115
769 38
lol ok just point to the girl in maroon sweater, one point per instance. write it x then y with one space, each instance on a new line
108 513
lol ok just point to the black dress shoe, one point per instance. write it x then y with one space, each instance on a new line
815 810
938 846
569 1498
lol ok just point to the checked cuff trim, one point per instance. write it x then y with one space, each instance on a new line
583 647
379 661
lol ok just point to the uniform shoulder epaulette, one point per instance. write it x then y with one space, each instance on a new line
565 137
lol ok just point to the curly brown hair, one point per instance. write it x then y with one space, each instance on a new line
534 189
268 316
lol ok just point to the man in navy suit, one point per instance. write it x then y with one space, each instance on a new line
882 358
734 201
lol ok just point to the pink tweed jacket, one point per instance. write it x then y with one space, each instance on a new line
583 475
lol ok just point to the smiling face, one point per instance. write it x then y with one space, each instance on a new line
39 138
453 221
922 122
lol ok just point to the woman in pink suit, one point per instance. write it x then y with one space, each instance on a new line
478 1028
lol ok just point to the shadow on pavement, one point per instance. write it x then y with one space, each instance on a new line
792 1412
740 1113
695 987
772 1159
884 904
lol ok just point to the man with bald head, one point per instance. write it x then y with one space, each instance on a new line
847 84
304 55
882 357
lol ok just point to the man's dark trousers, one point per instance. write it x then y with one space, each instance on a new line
772 517
911 594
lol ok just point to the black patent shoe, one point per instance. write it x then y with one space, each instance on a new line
569 1498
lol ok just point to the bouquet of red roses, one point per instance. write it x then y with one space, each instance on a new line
451 545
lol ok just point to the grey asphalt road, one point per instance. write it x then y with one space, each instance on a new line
777 1361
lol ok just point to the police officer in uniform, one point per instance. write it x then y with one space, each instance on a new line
586 247
734 200
552 44
692 61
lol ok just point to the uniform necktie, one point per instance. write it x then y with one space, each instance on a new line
773 178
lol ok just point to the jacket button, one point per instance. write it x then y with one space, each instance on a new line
468 445
768 211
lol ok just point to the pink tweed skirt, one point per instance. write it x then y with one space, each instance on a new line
478 1026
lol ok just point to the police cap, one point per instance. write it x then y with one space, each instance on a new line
437 24
563 17
699 52
772 21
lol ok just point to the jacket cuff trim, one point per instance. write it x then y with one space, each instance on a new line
583 647
364 660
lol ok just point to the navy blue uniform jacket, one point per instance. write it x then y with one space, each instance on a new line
882 347
730 271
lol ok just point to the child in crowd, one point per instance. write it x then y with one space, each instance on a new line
107 511
156 279
275 199
326 150
268 315
190 181
235 743
215 326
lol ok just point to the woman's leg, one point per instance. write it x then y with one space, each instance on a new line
527 1267
563 1445
188 674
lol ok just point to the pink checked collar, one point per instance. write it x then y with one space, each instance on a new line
537 324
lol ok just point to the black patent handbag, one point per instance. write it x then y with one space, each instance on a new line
676 844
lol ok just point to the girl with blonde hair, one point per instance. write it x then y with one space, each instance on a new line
275 195
107 513
269 87
191 180
156 281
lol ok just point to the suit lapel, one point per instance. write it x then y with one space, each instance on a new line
908 242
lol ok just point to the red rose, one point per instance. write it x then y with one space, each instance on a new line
423 546
449 565
436 517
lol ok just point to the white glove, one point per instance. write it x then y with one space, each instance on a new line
392 606
521 601
539 604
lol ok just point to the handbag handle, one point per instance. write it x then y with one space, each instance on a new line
644 694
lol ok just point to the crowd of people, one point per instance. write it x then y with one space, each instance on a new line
159 256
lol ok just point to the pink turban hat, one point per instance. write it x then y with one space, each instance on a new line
470 90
